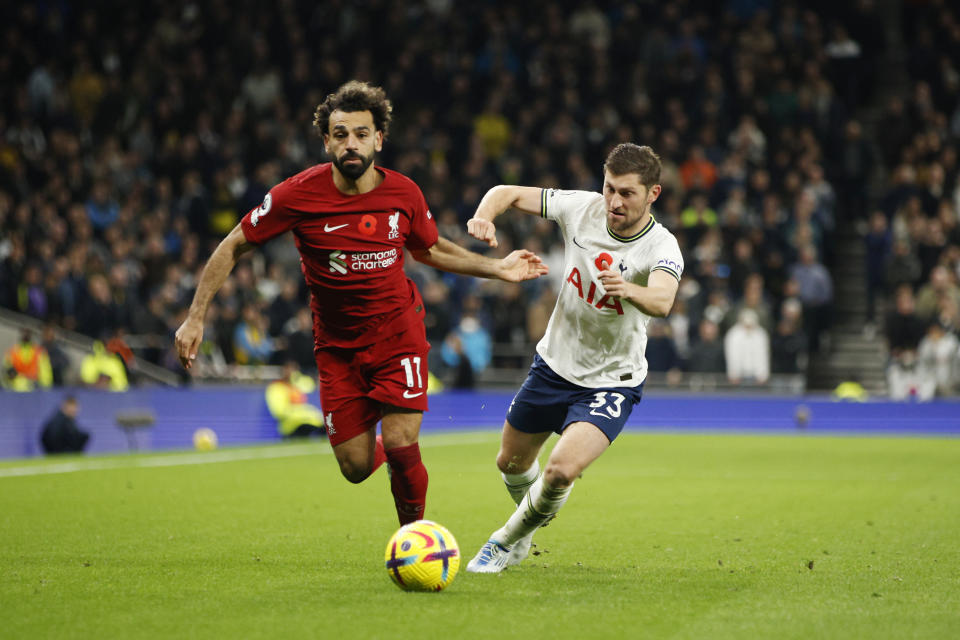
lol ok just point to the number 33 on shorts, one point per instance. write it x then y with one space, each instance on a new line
606 404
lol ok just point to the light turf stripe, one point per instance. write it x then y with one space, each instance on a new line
230 455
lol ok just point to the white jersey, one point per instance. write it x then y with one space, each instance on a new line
595 340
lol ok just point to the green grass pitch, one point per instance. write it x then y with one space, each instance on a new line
666 536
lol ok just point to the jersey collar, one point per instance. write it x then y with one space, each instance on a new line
636 236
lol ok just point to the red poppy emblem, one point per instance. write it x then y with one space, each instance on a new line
368 224
603 258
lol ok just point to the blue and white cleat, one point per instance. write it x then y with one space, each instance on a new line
492 558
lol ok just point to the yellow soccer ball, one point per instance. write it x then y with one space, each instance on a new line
422 556
205 439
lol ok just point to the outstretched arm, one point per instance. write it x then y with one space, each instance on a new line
448 256
215 272
495 202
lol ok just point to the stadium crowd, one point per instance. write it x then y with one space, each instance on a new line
133 137
913 234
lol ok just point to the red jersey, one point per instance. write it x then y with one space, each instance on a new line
351 251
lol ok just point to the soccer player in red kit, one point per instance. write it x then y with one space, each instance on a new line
351 221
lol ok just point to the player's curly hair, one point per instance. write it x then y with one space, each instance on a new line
355 96
632 158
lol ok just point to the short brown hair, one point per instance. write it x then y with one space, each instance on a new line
355 96
632 158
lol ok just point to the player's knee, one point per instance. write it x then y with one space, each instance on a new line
558 474
353 471
511 464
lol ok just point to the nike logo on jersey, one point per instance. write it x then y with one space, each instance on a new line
407 394
328 228
577 243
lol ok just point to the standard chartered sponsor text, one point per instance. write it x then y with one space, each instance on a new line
373 260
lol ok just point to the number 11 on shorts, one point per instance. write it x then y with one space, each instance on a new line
412 368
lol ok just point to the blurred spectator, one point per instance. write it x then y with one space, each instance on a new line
940 290
902 267
101 209
697 172
878 245
300 341
742 266
287 402
746 348
748 139
26 365
788 345
538 313
815 292
461 374
854 167
908 379
680 329
752 299
938 353
252 343
903 328
117 345
284 306
60 434
844 56
699 216
31 296
706 354
59 361
474 340
96 315
103 370
437 316
896 129
509 313
661 352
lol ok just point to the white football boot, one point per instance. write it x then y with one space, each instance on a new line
520 550
492 558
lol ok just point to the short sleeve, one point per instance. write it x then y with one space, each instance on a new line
558 205
423 228
272 218
668 258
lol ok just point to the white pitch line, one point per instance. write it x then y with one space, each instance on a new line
229 455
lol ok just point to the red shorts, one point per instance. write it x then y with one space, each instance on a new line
355 382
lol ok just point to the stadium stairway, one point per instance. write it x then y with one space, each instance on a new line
852 351
858 352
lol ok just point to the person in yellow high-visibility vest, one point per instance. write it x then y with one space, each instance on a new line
26 365
287 402
103 369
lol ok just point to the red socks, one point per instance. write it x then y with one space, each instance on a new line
408 481
379 454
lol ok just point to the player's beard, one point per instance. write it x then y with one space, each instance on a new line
623 226
353 171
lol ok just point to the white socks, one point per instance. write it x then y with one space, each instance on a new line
519 483
541 503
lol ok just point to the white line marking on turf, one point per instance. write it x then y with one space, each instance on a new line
230 455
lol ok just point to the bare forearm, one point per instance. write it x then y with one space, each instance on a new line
518 266
449 256
216 270
653 301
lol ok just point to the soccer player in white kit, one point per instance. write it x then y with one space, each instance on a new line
621 267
